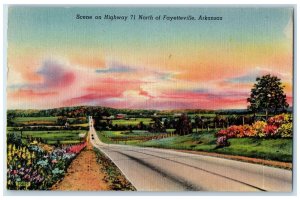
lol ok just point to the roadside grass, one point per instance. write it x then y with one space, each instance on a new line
205 141
279 149
113 176
52 137
124 137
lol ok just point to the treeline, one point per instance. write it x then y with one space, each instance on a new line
182 125
78 111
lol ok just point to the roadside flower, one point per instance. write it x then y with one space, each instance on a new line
259 128
54 161
270 130
222 141
286 130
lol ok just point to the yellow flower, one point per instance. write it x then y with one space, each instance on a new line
29 162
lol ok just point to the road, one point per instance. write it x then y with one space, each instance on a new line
152 169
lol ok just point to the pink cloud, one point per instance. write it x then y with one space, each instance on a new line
27 94
145 93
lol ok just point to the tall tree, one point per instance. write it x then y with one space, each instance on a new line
197 121
184 126
267 96
157 126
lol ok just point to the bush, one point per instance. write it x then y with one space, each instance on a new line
285 130
231 132
237 132
259 127
277 126
270 130
14 138
278 120
222 141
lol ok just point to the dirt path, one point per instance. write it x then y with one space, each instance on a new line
83 174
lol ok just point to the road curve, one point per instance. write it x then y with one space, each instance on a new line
152 169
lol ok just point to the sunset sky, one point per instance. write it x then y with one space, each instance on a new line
56 60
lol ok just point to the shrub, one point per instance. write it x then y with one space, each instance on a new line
237 131
248 131
285 130
14 138
278 120
232 132
270 130
259 127
222 141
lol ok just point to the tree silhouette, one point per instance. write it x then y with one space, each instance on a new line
267 96
183 126
197 121
157 126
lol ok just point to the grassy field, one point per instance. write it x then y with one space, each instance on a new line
124 137
133 122
202 115
270 149
51 137
44 121
35 120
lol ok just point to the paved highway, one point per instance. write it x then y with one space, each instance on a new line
152 169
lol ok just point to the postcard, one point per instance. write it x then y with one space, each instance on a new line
149 98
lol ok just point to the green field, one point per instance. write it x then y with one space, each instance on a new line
279 149
124 137
133 122
50 121
51 137
210 115
31 120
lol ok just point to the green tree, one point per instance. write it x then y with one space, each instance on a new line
157 126
197 122
183 126
61 121
267 96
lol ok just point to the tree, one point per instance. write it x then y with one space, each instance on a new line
183 126
61 121
197 121
157 126
267 96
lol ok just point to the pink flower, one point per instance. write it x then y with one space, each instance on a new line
54 161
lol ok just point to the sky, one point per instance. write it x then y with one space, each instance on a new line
56 60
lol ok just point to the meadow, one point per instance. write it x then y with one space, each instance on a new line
59 136
34 120
54 137
132 121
